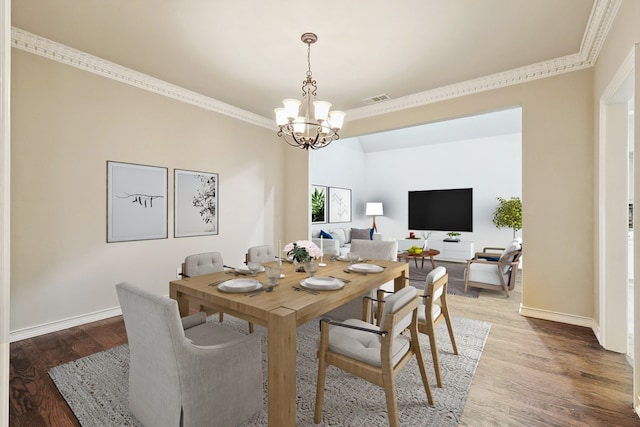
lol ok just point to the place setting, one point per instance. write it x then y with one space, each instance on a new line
364 268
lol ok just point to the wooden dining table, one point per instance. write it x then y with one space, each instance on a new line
281 312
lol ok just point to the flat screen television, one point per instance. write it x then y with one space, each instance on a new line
441 210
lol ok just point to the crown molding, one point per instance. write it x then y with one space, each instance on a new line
49 49
602 15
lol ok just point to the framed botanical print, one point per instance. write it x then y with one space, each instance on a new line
195 203
136 202
318 204
339 204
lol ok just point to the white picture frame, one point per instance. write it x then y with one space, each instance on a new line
195 203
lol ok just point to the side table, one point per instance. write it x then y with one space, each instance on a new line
429 253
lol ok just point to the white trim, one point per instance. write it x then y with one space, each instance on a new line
60 325
555 316
41 46
5 205
602 15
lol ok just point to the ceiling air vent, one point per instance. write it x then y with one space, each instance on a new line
376 99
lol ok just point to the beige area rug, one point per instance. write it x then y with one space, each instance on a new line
96 386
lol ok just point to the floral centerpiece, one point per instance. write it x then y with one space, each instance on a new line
302 251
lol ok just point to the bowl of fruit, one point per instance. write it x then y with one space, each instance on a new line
414 250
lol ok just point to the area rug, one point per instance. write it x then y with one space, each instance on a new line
418 275
96 386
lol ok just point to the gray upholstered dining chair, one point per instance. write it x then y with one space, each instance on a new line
375 354
433 311
264 253
206 263
369 250
187 372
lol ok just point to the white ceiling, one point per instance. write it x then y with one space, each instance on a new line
248 53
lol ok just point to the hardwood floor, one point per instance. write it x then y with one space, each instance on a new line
531 373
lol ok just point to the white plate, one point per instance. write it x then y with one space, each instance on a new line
366 268
247 271
239 285
320 283
344 258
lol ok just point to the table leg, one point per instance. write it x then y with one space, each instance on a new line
183 303
422 265
416 261
282 367
433 264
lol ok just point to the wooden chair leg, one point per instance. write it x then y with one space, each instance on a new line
447 319
251 328
322 370
423 369
390 396
221 317
434 355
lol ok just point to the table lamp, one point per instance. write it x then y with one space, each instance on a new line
373 209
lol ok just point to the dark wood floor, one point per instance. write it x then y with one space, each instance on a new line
531 373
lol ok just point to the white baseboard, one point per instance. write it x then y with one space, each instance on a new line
569 319
59 325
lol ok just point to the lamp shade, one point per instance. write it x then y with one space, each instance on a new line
374 208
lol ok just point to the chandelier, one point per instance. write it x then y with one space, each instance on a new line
302 131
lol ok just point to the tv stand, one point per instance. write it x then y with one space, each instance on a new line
461 250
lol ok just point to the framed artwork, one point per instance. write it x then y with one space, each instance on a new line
318 204
339 204
195 203
136 202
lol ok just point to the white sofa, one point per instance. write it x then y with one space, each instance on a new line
341 238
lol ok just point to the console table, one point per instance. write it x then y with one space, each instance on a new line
455 251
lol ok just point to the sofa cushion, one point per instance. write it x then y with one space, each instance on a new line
339 235
361 233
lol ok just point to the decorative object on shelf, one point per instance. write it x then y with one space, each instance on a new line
453 237
412 235
302 131
426 236
508 214
318 204
302 251
373 209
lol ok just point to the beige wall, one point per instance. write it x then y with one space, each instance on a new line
66 124
557 156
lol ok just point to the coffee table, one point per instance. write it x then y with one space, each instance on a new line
428 253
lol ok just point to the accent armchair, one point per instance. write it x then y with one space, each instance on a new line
187 372
484 271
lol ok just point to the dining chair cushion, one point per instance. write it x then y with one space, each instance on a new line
364 346
433 276
202 334
393 303
435 312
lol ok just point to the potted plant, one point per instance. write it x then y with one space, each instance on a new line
453 237
508 213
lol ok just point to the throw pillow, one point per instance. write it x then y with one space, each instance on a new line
338 234
325 235
361 233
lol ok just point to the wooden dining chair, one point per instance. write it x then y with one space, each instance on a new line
375 354
433 311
